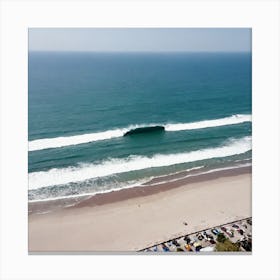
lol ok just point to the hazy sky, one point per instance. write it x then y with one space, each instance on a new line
140 39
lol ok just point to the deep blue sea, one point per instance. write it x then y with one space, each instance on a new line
81 104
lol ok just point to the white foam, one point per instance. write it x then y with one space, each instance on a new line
128 185
119 186
202 173
235 119
83 172
58 142
140 183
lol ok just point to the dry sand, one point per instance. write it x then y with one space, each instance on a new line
137 222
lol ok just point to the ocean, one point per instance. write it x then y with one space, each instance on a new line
80 105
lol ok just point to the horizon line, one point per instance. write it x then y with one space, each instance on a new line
99 51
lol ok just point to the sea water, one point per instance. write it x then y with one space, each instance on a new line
81 105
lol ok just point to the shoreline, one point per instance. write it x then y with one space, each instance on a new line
112 222
42 207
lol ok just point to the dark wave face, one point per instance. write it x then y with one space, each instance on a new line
145 129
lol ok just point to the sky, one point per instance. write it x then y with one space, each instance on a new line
140 39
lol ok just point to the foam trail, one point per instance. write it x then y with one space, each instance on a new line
201 173
114 166
235 119
119 186
128 186
58 142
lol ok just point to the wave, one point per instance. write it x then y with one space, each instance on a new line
139 183
234 119
60 176
58 142
112 186
128 185
145 129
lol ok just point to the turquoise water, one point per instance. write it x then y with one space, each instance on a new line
92 99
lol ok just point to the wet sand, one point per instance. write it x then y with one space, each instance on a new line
132 219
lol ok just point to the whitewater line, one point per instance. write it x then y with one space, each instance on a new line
141 183
58 142
59 176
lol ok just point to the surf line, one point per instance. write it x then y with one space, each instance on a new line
58 142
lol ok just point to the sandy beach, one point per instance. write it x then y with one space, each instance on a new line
133 219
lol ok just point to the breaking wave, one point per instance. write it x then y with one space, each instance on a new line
59 176
58 142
